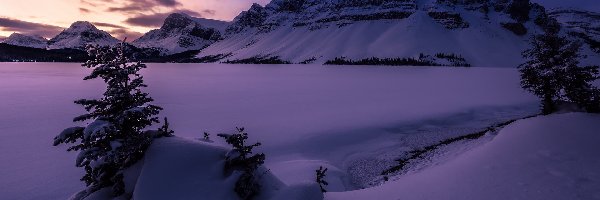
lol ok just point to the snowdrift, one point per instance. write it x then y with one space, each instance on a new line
549 157
177 168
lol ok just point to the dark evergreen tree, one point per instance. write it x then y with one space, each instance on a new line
552 72
240 158
519 10
206 136
165 130
579 90
116 138
321 173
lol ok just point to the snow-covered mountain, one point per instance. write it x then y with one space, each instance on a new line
482 32
80 34
181 32
23 40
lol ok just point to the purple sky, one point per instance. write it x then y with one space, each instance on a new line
119 17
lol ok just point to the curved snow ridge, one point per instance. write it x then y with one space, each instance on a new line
547 157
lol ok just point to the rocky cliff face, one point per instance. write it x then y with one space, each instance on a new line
181 32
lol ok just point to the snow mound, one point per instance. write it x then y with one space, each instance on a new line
303 191
548 157
177 168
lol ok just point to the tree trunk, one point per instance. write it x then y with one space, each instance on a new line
548 106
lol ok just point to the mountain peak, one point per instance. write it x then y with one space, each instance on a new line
82 25
182 32
256 6
24 40
80 34
176 21
178 15
20 35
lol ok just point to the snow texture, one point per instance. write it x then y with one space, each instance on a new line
304 115
549 157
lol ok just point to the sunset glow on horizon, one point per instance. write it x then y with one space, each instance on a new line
121 18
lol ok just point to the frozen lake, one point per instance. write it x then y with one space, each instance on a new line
300 113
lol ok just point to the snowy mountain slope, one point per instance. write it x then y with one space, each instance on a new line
181 32
18 39
548 157
80 34
485 33
581 24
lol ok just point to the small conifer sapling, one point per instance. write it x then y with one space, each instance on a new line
165 130
242 159
321 174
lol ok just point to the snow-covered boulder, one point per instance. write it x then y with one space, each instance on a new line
23 40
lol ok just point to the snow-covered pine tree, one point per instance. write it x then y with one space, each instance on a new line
240 158
116 138
552 72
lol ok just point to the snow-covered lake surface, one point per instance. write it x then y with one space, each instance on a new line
305 115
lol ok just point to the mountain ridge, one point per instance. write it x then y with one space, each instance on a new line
439 32
79 34
24 40
181 32
484 32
